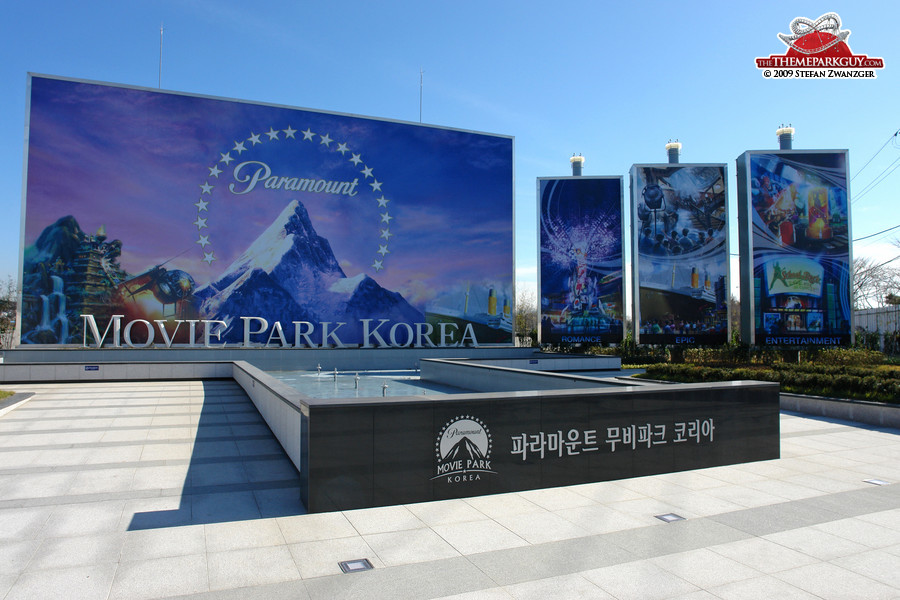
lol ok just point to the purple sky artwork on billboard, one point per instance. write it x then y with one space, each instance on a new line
580 283
801 247
166 206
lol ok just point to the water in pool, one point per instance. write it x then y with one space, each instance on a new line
361 384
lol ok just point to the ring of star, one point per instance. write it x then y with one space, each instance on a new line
289 133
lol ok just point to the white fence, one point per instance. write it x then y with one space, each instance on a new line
884 319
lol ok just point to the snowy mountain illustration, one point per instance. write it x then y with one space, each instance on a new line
289 273
60 240
464 449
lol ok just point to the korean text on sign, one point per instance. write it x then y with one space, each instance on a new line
555 443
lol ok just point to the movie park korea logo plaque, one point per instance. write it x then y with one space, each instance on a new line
463 449
818 49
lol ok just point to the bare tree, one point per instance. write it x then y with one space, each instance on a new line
9 293
526 314
875 282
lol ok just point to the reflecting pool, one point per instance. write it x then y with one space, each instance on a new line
361 384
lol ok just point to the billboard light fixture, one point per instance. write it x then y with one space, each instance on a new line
670 518
876 481
355 565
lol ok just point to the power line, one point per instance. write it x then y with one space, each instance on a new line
886 262
874 234
874 179
893 135
872 184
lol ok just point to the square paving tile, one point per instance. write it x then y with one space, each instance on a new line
271 470
383 519
556 498
102 481
763 555
606 492
238 535
705 568
155 512
565 586
538 528
759 588
471 537
163 542
818 544
15 556
640 580
831 581
60 553
597 519
498 505
85 583
22 523
445 512
251 566
225 473
316 527
412 546
37 485
227 506
162 477
321 558
279 502
84 519
862 532
496 593
160 577
878 565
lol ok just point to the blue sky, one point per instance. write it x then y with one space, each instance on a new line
613 83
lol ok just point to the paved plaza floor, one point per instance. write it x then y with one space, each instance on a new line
178 489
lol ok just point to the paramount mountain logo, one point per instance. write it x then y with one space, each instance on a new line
818 49
463 450
247 175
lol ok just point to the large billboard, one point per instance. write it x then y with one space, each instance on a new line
794 221
680 253
580 279
162 218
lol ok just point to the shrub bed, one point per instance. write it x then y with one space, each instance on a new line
878 384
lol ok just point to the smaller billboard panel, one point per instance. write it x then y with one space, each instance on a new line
795 221
680 253
580 279
793 276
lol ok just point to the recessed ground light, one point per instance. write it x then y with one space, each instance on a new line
352 566
670 517
876 481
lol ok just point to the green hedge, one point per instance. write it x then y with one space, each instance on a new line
880 384
887 372
735 354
